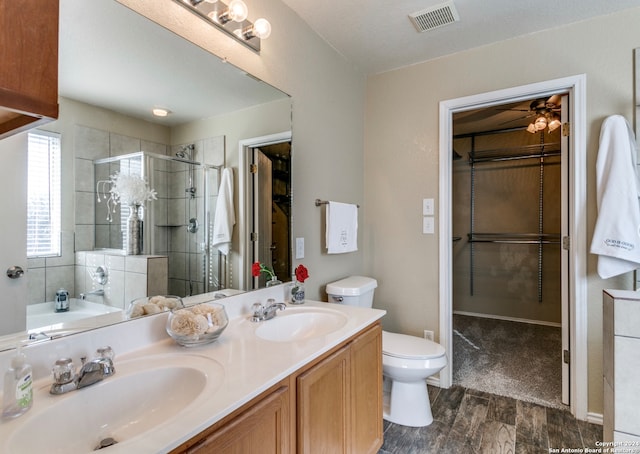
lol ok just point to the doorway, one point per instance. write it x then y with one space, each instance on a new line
574 317
507 227
271 209
265 196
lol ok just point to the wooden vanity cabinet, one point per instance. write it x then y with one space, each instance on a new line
339 400
28 64
332 405
262 428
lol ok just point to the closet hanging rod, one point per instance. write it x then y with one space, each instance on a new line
325 202
513 158
514 238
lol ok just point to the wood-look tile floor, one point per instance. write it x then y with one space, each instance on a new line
468 421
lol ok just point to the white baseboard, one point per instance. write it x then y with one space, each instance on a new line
595 418
510 319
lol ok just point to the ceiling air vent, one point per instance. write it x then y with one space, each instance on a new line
435 17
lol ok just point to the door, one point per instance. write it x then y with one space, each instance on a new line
13 241
564 251
262 212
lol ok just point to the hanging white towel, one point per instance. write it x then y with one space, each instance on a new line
342 228
616 238
225 216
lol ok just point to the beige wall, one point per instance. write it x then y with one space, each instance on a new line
401 157
328 117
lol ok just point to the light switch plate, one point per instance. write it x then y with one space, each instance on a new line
299 248
427 207
428 224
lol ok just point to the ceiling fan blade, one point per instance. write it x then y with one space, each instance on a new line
554 101
517 119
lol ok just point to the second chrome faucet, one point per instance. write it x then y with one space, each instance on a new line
267 311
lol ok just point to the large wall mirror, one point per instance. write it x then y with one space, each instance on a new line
115 67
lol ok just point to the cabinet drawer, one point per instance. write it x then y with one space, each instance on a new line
627 318
627 397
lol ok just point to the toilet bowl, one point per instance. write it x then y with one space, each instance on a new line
407 361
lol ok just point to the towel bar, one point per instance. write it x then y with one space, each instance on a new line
324 202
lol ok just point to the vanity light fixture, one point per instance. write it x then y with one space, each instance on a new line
232 19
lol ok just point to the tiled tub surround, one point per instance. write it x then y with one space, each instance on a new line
251 365
129 276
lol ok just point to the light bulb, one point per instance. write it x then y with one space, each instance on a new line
238 11
160 112
262 28
540 123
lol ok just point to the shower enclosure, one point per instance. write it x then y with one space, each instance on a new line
178 224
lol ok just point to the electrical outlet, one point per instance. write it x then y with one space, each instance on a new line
428 335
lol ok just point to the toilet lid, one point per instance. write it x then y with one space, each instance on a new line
404 346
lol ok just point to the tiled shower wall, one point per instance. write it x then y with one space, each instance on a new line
46 275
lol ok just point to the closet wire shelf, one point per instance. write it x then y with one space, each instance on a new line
540 152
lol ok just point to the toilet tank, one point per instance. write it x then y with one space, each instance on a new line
352 291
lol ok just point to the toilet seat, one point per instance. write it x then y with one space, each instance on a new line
410 347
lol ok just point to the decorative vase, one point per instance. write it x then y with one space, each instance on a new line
297 292
134 231
274 281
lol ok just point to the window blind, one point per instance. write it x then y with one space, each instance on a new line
43 194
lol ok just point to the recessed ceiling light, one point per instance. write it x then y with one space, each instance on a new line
160 112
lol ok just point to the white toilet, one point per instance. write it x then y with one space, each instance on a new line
407 361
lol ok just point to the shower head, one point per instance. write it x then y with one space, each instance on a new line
185 151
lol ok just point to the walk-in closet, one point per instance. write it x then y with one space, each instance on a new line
506 213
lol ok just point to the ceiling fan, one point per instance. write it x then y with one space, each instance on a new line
546 114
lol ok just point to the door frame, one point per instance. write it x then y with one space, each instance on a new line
577 221
245 147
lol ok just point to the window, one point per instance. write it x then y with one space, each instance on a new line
43 195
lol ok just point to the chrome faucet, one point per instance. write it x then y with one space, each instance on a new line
66 379
98 292
266 312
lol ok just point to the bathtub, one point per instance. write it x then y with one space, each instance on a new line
82 314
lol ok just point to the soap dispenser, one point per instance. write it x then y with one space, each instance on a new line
17 395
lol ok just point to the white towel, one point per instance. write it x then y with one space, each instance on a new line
225 216
342 227
616 238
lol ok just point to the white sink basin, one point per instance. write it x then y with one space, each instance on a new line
296 324
143 394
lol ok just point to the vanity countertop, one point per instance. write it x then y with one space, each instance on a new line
250 366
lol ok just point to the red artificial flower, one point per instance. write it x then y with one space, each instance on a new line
258 268
301 273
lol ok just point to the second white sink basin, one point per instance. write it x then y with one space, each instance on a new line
142 395
296 324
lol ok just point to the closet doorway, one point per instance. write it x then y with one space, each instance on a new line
507 205
573 253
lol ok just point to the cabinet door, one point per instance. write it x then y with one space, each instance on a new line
323 417
29 68
263 429
366 392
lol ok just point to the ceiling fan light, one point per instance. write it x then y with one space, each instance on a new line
531 128
554 124
540 123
